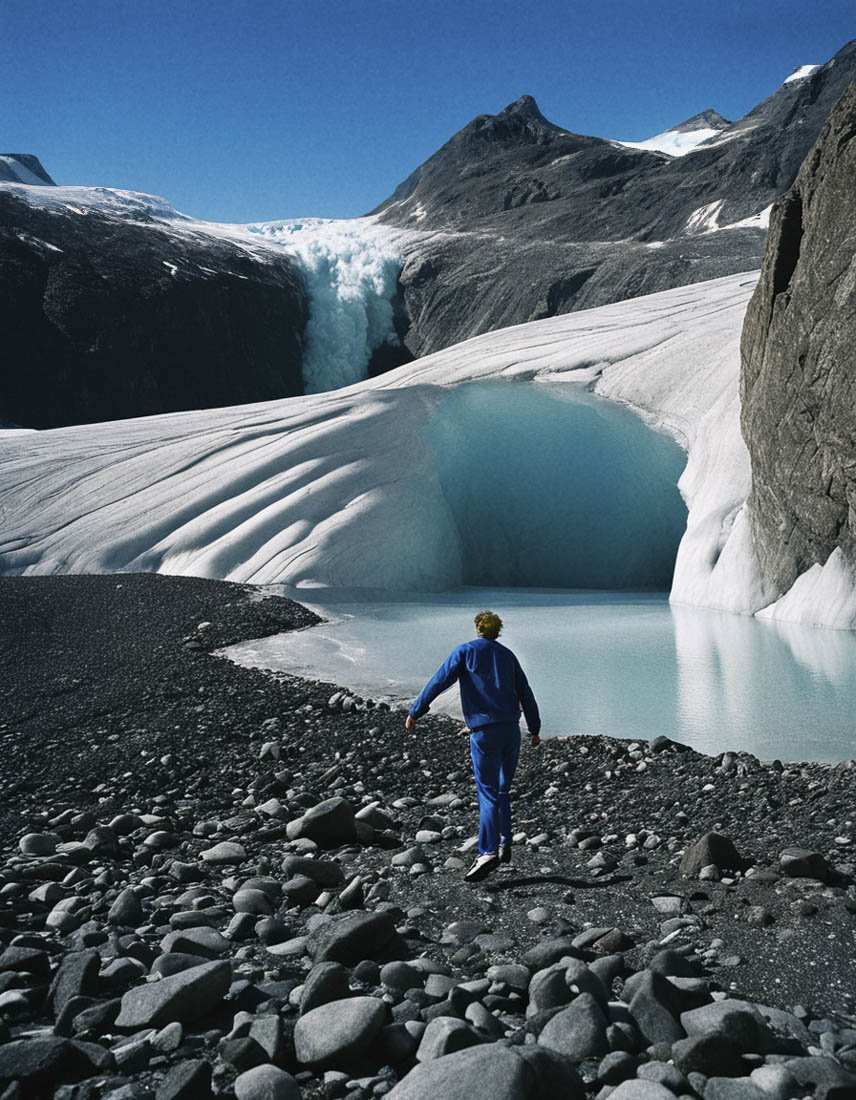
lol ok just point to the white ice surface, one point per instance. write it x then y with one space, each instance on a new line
341 489
825 595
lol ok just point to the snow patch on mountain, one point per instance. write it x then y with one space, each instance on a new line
676 143
706 218
801 72
110 201
761 220
350 268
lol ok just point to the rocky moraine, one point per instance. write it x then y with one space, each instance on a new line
217 881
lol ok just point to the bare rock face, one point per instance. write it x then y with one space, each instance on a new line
798 381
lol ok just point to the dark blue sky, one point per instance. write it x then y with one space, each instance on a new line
241 110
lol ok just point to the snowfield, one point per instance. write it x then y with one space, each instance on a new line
344 489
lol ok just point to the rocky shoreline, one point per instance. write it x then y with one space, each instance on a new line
220 881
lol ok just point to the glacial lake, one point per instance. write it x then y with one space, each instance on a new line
615 663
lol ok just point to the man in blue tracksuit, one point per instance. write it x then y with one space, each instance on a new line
493 689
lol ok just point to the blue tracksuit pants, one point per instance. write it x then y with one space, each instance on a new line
494 750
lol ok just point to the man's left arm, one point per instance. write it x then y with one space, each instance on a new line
527 701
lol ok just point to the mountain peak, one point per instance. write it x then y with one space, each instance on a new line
23 168
525 107
708 119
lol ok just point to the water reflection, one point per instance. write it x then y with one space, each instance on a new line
606 663
774 689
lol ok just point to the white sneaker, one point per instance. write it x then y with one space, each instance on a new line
482 867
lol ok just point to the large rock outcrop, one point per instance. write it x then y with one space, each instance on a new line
798 382
110 315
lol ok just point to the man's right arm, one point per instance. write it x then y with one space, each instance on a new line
442 679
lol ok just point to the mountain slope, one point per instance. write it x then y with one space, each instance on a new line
109 310
23 168
521 219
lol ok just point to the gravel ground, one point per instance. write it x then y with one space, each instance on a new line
115 703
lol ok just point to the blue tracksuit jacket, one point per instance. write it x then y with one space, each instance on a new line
493 686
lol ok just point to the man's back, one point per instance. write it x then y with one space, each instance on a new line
493 685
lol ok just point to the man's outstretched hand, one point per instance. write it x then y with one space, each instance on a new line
410 723
535 740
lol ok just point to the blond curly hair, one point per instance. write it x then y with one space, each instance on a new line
488 624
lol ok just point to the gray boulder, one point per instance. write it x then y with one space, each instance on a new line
205 942
733 1088
40 1063
400 976
738 1021
326 982
494 1071
804 863
187 1080
26 960
820 1071
266 1083
252 901
351 937
184 997
714 849
329 824
299 891
227 851
323 871
126 909
578 1031
445 1035
655 1007
708 1054
642 1090
77 976
338 1032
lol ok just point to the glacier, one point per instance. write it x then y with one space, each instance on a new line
349 488
384 483
350 268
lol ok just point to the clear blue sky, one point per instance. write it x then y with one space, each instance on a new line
243 110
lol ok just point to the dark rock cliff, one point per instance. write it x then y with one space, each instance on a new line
104 317
798 383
